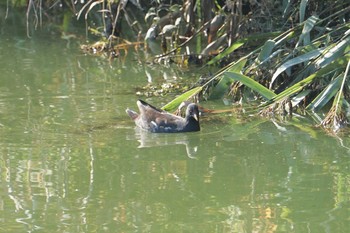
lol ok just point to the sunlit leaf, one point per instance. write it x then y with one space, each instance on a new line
222 86
252 84
226 52
284 37
151 13
302 9
299 97
305 34
274 54
238 67
297 60
168 29
333 53
337 64
327 93
174 104
338 101
250 39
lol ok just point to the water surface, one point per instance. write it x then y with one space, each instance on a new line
72 161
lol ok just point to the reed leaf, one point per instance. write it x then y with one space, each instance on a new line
305 34
333 53
325 96
266 50
297 60
224 83
332 67
220 88
252 84
174 104
302 10
300 97
227 51
345 75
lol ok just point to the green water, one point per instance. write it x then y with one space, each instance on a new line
72 161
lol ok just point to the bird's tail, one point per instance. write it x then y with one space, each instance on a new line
132 113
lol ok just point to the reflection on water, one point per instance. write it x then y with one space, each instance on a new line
71 160
147 139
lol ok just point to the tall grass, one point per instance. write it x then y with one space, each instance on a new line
285 52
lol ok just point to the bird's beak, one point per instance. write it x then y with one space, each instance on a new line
195 116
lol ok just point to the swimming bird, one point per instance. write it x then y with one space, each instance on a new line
156 120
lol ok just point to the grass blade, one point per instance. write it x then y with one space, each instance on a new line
302 9
266 50
305 34
227 51
333 53
174 104
324 97
332 67
297 60
223 85
263 91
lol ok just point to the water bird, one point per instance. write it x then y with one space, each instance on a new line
156 120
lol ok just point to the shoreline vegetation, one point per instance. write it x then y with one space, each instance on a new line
290 57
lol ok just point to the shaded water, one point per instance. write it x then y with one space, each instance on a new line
72 161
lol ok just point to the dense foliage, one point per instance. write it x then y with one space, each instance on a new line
291 56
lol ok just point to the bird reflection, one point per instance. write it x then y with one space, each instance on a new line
147 139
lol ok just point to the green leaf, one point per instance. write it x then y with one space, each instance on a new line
339 99
305 34
254 85
238 66
299 97
266 50
227 51
297 60
337 64
253 39
302 9
324 97
222 86
333 53
174 104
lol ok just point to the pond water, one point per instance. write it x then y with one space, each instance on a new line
72 161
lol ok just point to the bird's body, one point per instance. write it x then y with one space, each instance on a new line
156 120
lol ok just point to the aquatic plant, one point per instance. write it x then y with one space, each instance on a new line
291 56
